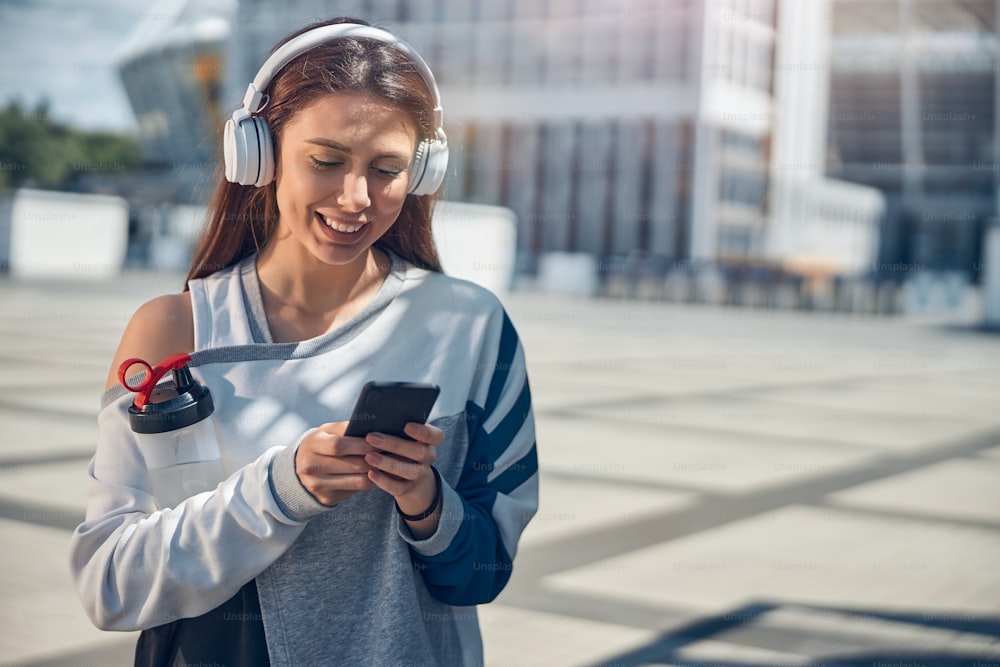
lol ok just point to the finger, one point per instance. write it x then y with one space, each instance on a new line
425 433
338 445
355 482
333 428
328 467
402 447
391 485
403 469
331 492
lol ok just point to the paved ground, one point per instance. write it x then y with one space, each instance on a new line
720 487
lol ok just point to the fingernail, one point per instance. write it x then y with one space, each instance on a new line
410 428
373 458
375 439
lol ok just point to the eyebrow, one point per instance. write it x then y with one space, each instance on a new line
329 143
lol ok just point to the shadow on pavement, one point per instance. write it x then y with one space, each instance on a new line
962 638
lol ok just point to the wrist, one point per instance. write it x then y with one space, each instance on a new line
430 507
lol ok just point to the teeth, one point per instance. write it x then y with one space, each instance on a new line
340 227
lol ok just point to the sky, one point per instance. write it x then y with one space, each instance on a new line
64 50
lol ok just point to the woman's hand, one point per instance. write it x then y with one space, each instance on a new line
402 468
332 466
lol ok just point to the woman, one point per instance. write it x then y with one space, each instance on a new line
321 548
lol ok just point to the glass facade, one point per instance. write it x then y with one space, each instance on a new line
913 113
594 112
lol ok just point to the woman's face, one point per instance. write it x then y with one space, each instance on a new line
341 175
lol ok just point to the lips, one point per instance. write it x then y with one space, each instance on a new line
341 226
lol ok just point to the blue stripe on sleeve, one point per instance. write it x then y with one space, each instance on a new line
479 459
518 473
476 566
507 429
505 359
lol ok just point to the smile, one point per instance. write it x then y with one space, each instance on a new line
342 227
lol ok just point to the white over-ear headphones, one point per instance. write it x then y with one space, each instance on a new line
247 144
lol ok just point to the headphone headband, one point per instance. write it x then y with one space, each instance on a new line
247 143
292 49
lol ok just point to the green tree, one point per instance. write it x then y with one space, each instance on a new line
35 149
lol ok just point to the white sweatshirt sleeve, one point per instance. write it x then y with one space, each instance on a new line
137 567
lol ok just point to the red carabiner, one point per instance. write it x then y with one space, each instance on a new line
153 374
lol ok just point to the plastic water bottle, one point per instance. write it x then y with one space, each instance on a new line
175 430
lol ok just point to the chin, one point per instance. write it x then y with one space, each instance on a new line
341 255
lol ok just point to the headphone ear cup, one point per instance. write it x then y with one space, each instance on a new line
418 168
430 163
265 152
248 152
234 150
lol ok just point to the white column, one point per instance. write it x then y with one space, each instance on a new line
556 184
991 278
703 231
524 165
996 117
596 168
703 239
628 187
486 165
802 93
663 198
800 119
459 154
910 107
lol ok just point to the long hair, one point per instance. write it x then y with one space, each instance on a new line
243 218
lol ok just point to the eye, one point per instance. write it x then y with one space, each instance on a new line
388 173
322 164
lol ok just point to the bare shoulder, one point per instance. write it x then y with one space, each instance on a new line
159 328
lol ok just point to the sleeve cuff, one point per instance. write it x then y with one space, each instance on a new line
292 498
452 516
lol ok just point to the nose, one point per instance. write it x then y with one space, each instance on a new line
354 193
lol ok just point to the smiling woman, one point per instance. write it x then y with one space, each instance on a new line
341 181
317 274
243 219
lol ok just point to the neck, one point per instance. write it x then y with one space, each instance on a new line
314 288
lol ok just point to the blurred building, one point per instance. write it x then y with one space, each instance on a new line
172 67
611 127
655 134
817 227
913 112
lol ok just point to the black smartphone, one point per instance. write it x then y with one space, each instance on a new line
386 407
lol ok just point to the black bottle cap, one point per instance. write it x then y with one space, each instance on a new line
173 405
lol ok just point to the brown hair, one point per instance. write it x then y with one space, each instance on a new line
242 218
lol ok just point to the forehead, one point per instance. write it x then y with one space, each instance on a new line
357 121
